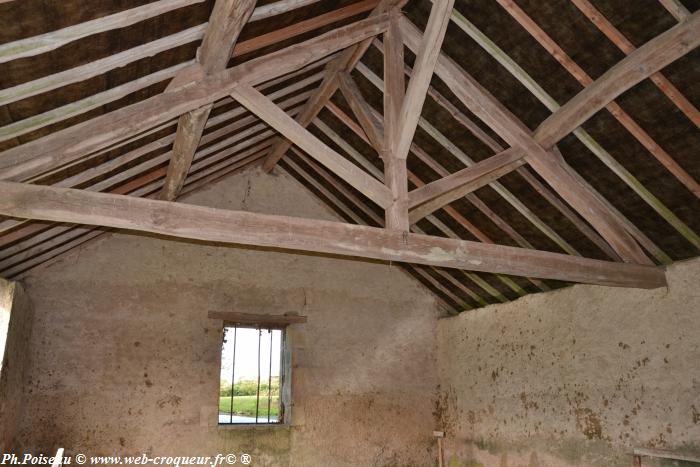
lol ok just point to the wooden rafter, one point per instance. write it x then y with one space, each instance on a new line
426 58
467 161
615 110
622 43
236 227
277 119
367 119
637 66
433 196
71 144
586 139
552 168
676 8
456 216
225 24
329 86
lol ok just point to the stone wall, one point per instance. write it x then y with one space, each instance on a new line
15 303
125 360
579 376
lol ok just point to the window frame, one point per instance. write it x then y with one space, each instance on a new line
285 374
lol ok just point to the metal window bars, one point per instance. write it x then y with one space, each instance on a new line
247 352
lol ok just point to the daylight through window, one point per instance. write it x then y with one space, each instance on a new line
251 375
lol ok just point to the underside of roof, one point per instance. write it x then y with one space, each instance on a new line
639 152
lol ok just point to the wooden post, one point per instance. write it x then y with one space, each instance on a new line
395 175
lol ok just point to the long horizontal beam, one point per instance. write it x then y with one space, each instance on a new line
637 66
61 239
433 196
77 141
317 236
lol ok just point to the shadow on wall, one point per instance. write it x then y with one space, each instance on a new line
16 316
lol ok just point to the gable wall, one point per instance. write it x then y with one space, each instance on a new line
125 360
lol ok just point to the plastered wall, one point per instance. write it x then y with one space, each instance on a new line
15 305
125 360
579 377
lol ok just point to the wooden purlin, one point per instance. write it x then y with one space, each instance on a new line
67 145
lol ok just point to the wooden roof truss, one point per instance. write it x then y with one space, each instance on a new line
266 109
